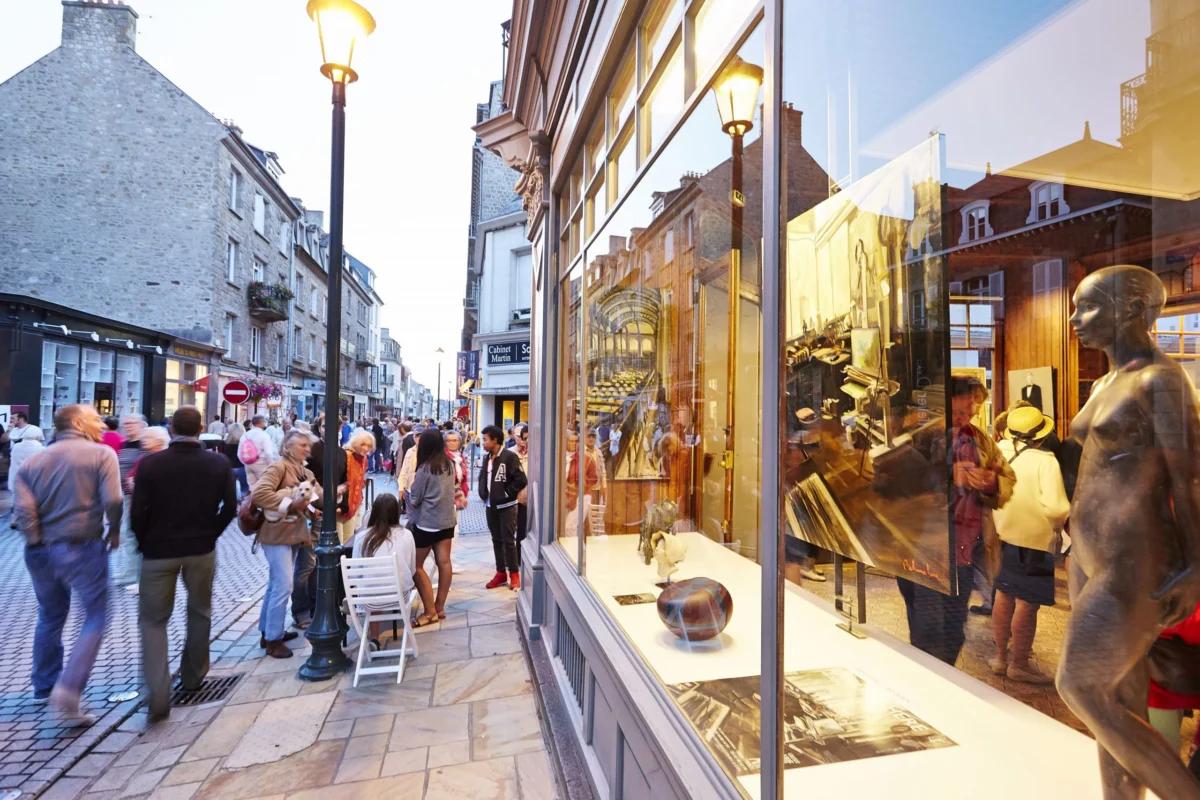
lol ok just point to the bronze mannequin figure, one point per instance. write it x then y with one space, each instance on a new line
1135 530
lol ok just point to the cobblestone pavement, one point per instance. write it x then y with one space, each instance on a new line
34 748
463 724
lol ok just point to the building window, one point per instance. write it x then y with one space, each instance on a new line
260 214
298 290
284 236
231 259
312 348
260 269
689 230
235 180
255 345
315 303
1046 201
297 343
669 247
280 353
975 222
228 343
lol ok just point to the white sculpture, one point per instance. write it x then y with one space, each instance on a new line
669 551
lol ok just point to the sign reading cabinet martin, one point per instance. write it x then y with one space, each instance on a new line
508 353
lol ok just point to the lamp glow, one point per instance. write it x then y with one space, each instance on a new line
340 24
736 92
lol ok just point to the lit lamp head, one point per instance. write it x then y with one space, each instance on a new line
340 24
736 91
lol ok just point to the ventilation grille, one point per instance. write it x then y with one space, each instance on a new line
571 657
211 690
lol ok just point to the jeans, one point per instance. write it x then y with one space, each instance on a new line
304 584
59 570
243 483
936 620
156 601
281 566
502 523
129 560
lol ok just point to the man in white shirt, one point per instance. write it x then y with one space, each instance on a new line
258 444
20 429
216 427
276 432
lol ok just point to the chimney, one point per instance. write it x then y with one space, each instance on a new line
98 24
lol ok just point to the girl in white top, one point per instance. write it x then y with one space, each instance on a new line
385 536
1029 527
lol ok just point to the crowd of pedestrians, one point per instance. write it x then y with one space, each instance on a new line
159 497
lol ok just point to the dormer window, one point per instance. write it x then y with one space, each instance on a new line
1046 201
975 222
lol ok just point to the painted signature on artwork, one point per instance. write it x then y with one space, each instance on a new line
913 567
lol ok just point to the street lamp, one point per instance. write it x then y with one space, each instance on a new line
736 93
340 25
437 410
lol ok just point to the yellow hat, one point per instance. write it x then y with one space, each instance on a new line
1028 423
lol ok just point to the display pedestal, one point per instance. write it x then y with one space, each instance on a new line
1004 749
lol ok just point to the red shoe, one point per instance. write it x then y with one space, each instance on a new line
498 580
514 581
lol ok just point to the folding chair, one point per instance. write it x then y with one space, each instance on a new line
374 594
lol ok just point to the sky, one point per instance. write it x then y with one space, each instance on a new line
408 127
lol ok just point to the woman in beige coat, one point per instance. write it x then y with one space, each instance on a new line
286 493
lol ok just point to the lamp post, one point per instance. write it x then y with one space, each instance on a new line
736 93
437 410
340 24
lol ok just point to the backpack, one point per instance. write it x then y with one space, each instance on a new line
247 450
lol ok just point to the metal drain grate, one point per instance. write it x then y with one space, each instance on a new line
211 690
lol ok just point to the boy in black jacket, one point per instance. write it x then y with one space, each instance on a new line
501 482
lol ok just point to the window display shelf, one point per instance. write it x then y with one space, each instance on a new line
1003 748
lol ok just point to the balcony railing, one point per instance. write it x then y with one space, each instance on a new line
347 348
268 301
387 380
364 356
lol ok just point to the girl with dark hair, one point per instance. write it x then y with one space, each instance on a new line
431 514
385 536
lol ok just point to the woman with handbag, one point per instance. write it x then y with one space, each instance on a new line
1029 526
285 493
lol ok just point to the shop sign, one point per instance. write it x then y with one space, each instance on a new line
235 392
508 353
468 364
188 352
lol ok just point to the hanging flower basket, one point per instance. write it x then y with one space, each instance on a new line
264 390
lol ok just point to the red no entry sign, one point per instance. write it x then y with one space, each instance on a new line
236 392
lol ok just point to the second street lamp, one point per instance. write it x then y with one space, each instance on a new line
340 25
736 92
437 410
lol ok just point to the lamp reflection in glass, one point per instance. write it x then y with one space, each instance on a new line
340 24
736 92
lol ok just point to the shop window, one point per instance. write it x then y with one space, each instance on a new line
594 150
1046 201
661 107
620 98
128 384
660 23
180 386
60 378
975 222
713 22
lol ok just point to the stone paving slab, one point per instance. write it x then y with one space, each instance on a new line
444 732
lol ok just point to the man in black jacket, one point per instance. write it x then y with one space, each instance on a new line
183 498
501 482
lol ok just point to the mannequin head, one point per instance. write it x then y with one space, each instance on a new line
1117 305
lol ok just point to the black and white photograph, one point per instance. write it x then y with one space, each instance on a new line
1034 385
634 599
830 715
814 516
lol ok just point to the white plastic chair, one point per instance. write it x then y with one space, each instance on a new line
374 594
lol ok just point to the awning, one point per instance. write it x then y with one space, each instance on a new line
201 384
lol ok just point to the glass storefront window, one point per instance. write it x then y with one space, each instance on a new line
660 22
714 19
661 106
60 378
180 391
568 500
620 99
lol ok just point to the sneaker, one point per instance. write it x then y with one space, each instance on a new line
41 697
498 580
514 581
998 665
1029 674
811 574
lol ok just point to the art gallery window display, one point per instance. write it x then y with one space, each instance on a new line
108 379
970 475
